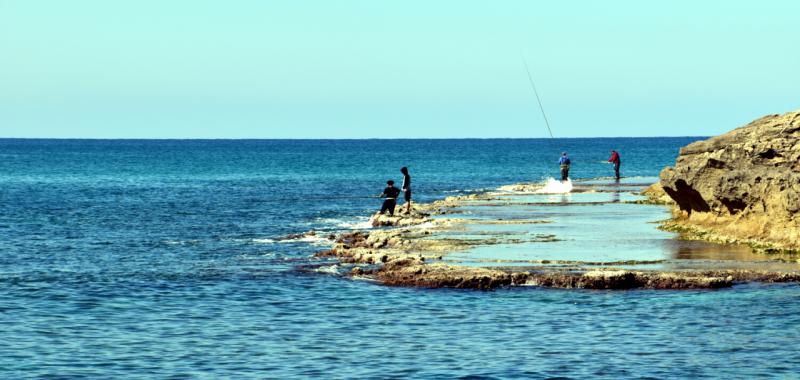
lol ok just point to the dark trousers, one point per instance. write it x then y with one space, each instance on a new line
616 169
389 205
564 172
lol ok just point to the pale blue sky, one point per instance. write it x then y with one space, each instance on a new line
365 69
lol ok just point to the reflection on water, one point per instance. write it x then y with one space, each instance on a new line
593 225
615 196
558 198
699 250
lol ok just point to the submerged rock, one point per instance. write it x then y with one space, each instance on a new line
743 185
299 236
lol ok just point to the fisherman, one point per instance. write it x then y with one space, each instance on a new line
615 160
406 188
564 163
390 193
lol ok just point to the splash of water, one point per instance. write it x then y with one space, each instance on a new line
552 186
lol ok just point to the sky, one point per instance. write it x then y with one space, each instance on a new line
391 69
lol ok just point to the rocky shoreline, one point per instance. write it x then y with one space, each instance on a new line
408 250
742 187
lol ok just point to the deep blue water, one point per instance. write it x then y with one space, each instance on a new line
153 259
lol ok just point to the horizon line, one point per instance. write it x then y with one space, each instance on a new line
333 138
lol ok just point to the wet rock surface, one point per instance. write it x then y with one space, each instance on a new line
416 250
741 186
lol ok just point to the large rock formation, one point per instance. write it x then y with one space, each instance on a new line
743 185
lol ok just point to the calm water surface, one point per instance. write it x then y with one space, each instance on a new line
158 259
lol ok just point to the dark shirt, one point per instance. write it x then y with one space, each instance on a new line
563 160
406 182
391 192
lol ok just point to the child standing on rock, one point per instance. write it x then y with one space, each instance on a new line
406 188
390 193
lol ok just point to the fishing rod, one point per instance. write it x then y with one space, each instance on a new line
533 86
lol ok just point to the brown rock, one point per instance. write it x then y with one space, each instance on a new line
656 195
744 184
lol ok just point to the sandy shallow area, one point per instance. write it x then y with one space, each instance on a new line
603 234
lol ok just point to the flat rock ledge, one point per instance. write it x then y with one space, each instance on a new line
446 276
409 254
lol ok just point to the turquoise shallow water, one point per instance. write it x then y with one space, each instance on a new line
157 259
599 222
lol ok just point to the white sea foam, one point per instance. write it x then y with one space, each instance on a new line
552 186
422 225
181 242
311 239
330 269
359 223
262 241
363 278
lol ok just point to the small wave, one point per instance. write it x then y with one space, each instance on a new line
263 241
311 239
363 278
180 242
552 186
359 223
330 269
250 256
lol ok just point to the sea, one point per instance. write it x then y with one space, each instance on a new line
169 259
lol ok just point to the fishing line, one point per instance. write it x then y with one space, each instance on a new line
530 78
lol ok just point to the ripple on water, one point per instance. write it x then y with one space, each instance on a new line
135 259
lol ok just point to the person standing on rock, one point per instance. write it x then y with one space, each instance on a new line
564 163
406 188
390 193
615 160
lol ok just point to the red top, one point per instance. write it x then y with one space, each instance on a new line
614 157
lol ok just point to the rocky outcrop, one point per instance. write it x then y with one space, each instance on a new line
743 185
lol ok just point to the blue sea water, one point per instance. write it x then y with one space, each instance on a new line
159 259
